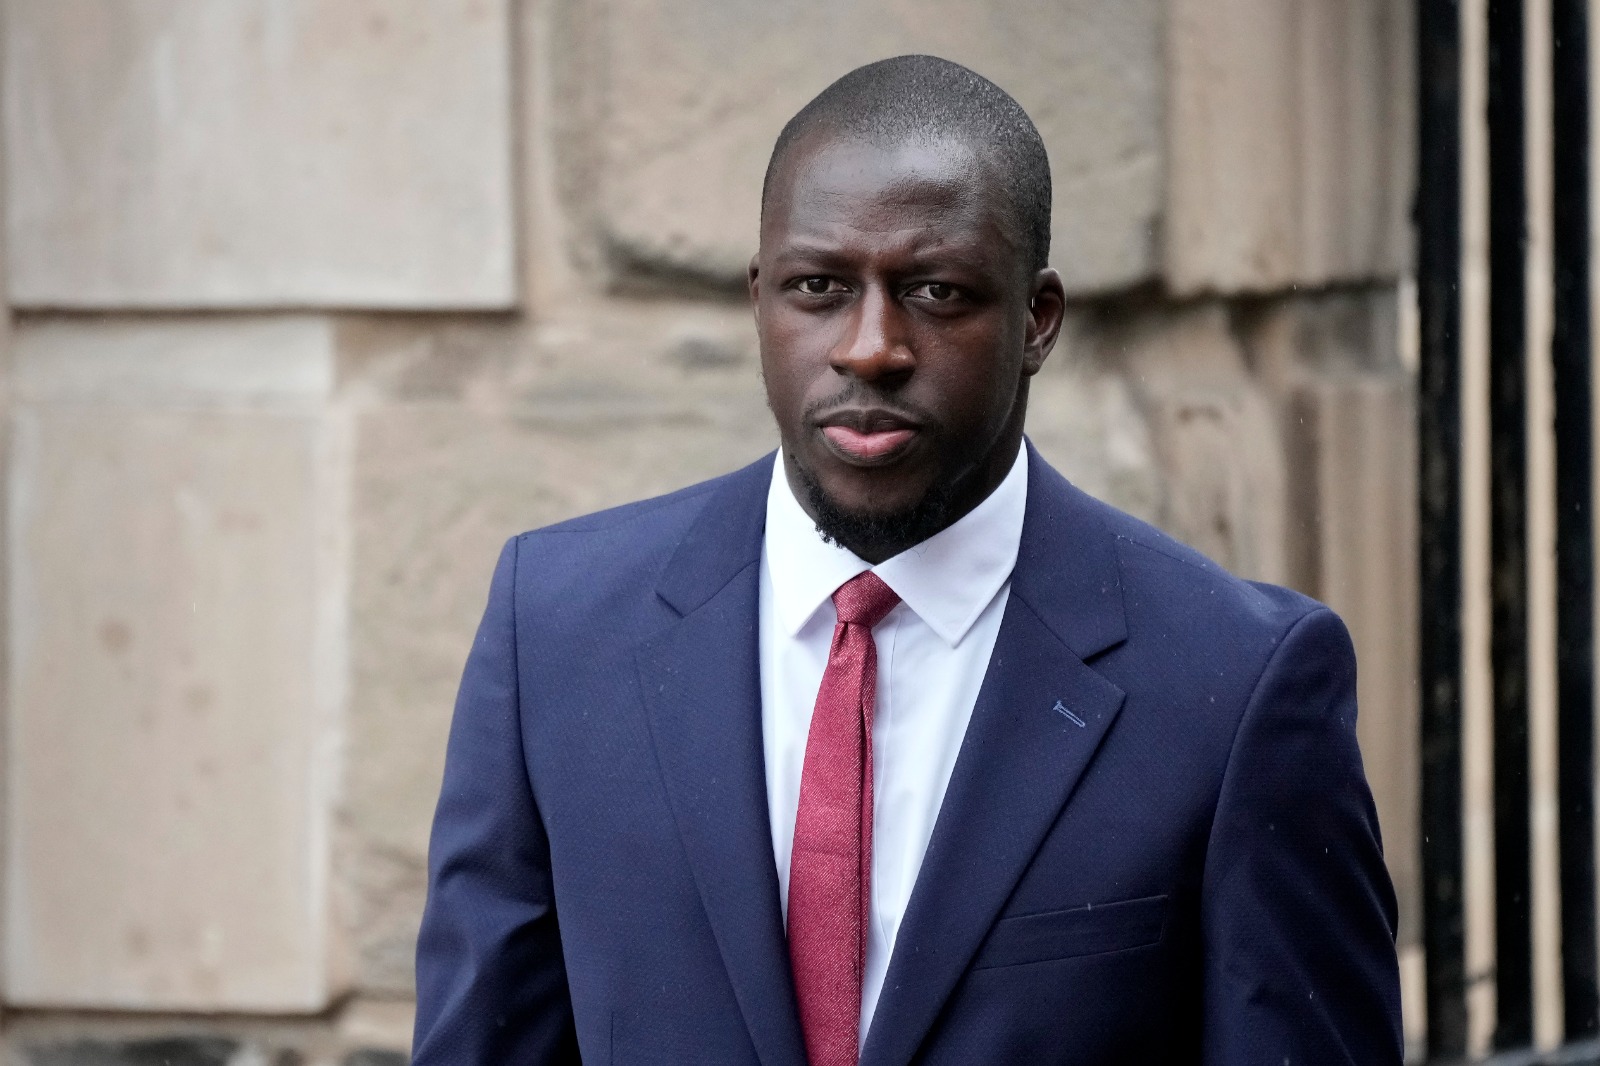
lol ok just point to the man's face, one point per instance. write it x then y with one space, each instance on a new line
899 325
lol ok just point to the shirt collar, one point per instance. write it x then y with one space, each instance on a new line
947 580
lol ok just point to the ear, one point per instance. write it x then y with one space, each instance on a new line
1047 307
753 281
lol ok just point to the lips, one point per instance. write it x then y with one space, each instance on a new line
875 445
868 437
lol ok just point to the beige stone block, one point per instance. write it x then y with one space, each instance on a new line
177 608
1338 332
261 362
1085 420
376 1026
1357 440
1289 143
257 153
1296 343
1215 434
695 93
358 1031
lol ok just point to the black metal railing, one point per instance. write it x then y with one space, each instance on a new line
1508 521
1438 214
1571 350
1440 401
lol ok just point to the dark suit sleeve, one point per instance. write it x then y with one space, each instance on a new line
1298 914
491 985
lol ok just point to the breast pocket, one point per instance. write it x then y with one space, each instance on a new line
1065 934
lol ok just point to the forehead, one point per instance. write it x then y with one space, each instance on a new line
832 189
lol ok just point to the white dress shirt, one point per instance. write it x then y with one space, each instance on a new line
933 651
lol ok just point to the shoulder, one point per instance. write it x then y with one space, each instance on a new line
1187 614
1157 568
1197 647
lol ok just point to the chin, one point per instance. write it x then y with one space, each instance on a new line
865 501
868 523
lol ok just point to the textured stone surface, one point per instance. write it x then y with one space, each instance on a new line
315 152
187 1050
377 1026
356 1031
257 362
696 91
175 1051
373 1057
176 594
1084 418
1336 333
1215 434
1289 143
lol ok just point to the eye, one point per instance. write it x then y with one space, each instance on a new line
936 291
818 286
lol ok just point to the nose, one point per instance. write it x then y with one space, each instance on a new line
874 344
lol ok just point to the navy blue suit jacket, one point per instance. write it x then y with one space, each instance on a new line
1157 847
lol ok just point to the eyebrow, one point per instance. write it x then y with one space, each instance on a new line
826 255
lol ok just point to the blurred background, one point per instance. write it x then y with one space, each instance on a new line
310 304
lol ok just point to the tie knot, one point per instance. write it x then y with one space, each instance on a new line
864 600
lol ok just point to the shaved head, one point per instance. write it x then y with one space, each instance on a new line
927 99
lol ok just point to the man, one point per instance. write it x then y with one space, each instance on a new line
897 748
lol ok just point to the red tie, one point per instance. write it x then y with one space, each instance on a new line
830 870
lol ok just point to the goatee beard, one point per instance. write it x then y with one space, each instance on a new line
877 536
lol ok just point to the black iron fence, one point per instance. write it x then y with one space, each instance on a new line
1439 277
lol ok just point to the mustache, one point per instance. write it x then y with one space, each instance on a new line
858 393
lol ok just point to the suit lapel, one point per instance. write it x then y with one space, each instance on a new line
701 684
1039 719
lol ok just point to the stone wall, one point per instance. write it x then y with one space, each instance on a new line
315 302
